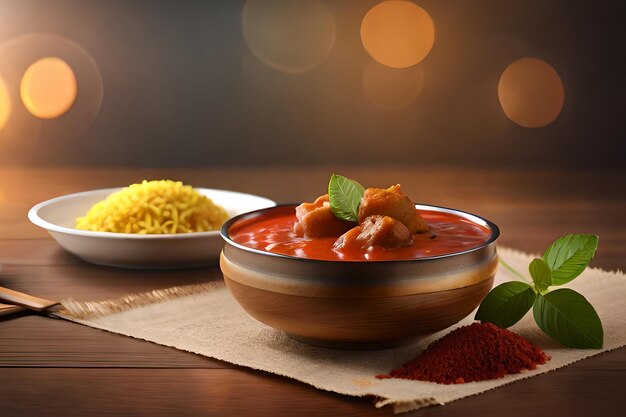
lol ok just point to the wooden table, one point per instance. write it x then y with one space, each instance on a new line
52 367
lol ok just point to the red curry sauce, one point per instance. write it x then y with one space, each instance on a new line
273 232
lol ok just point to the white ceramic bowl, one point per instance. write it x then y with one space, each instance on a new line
58 216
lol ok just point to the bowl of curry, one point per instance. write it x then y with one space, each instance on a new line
380 282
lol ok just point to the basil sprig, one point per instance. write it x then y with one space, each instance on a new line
562 314
345 196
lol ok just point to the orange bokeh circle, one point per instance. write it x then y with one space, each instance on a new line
48 88
397 33
531 92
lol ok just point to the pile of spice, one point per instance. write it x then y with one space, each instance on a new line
476 352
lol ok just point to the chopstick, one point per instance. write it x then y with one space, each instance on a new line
27 301
9 309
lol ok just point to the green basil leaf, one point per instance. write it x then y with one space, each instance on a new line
568 318
542 276
569 256
506 304
345 196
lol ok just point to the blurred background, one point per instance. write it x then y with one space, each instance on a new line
532 83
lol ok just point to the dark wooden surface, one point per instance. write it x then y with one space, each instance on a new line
52 367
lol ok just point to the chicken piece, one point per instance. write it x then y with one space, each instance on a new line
385 231
317 220
349 239
394 203
376 231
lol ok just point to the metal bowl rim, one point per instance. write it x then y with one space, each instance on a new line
495 233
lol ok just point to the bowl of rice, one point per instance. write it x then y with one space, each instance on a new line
153 224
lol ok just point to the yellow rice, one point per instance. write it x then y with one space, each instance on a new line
154 207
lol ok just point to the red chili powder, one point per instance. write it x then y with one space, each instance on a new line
471 353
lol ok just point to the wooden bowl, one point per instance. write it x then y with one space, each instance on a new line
358 305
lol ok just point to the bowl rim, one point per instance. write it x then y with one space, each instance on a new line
36 219
495 233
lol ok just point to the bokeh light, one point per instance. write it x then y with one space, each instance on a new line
391 88
531 92
25 137
288 35
48 88
5 103
397 33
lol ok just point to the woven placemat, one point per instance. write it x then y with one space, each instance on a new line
206 320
